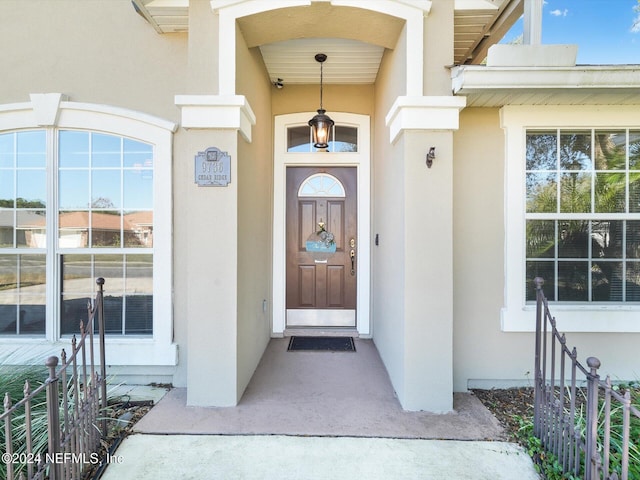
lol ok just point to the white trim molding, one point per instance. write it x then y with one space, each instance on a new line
424 113
517 315
217 111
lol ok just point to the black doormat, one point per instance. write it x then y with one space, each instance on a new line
325 344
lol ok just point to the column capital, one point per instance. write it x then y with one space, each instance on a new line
424 113
217 112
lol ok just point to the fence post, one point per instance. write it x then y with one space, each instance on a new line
103 367
536 375
592 419
7 436
53 417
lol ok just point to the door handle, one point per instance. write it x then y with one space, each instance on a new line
352 254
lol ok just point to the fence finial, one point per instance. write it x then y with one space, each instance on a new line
52 362
538 282
593 362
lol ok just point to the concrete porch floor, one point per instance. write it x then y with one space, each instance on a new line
321 394
318 415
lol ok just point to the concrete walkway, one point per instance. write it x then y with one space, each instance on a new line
317 415
252 457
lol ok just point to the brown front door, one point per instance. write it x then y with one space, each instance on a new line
321 280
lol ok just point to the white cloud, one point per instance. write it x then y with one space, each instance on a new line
559 13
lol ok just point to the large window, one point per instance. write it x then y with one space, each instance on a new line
79 205
572 215
583 214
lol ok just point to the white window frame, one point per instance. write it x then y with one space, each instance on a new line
517 315
51 112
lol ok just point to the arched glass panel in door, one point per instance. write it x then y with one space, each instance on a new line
321 185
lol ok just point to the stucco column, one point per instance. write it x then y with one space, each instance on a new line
207 247
422 123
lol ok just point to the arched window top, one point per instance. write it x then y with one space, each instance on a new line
321 185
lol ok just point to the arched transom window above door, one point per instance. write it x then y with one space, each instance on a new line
342 139
321 185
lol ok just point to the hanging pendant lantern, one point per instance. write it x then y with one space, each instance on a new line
321 124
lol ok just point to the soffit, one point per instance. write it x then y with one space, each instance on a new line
579 85
289 39
478 24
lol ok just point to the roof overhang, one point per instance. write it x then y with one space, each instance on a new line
571 85
478 24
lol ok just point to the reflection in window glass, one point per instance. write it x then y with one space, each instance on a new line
105 151
542 192
97 177
128 300
575 150
22 294
7 150
341 139
299 139
31 229
6 228
98 196
138 229
634 149
541 151
583 252
31 188
73 149
106 228
31 151
138 189
610 150
137 154
346 139
7 188
105 189
23 189
73 190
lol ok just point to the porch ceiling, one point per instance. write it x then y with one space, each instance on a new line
353 53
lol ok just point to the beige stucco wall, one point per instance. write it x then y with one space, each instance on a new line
336 98
481 350
255 187
388 222
94 52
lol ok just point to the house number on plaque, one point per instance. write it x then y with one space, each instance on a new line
212 168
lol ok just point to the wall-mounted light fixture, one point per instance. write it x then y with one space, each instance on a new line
321 124
431 156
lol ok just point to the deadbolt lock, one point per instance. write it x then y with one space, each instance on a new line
352 242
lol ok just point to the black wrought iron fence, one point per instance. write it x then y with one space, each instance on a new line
76 398
573 407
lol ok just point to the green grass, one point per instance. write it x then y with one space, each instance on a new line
12 381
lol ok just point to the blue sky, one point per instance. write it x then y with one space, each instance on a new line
602 29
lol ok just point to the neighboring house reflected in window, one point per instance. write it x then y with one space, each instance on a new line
100 224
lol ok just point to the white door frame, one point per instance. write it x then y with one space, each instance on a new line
362 161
